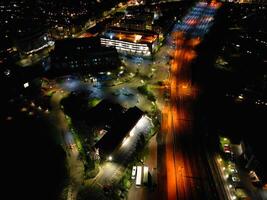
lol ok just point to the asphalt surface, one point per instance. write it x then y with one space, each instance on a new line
184 174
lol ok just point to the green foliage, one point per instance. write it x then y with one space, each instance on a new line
92 173
151 97
93 102
143 89
93 192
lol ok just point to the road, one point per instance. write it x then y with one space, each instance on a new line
144 193
112 171
184 175
76 167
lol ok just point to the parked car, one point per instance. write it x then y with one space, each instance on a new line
133 172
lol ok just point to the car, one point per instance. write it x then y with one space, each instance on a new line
233 170
235 179
133 172
227 148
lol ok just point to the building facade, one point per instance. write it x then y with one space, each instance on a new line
138 43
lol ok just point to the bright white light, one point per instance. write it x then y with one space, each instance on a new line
51 43
132 133
125 141
240 97
108 73
137 38
142 122
25 85
110 158
7 72
138 180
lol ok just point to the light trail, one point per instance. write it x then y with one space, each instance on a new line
177 113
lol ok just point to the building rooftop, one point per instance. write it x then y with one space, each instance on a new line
119 129
105 112
128 35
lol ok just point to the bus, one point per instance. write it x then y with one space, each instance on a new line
145 175
138 180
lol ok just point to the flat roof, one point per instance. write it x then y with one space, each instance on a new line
110 141
134 36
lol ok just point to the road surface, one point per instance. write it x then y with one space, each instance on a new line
184 174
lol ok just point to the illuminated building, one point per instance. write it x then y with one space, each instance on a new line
120 128
141 43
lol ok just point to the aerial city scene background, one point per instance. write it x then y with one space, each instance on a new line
134 99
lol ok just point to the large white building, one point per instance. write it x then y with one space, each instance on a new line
130 42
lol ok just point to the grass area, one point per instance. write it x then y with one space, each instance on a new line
145 90
224 141
241 194
93 102
50 93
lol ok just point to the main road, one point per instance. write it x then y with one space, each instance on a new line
184 174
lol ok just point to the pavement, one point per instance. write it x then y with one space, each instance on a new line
76 167
185 175
144 193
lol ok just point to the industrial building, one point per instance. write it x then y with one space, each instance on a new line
119 130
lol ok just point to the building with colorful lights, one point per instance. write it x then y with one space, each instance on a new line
131 42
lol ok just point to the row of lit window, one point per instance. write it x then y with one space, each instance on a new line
123 42
118 44
133 50
120 47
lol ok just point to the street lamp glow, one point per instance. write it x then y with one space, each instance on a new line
184 86
25 85
110 158
23 109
